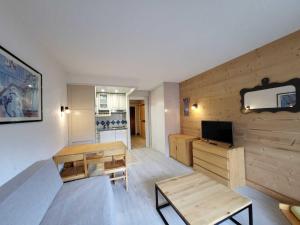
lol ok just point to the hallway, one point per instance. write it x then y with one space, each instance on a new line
137 142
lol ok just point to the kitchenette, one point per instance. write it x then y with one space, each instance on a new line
98 114
110 115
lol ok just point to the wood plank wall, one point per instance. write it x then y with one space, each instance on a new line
271 140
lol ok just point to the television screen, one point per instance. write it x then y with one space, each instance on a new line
217 131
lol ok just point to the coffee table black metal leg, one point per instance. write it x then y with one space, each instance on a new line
250 212
158 207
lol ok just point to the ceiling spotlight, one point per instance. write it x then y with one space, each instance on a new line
102 90
116 90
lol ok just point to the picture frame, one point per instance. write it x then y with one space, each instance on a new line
21 92
186 106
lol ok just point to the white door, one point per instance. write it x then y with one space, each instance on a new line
121 135
107 136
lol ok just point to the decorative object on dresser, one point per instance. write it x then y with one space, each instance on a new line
20 90
221 162
181 148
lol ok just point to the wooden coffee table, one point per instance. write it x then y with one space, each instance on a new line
200 200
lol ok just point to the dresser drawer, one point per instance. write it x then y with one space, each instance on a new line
212 168
211 158
212 175
213 149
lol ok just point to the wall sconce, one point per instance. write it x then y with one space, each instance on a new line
194 106
65 109
246 109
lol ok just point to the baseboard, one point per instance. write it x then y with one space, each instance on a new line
280 197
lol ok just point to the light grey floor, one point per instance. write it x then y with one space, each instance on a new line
137 206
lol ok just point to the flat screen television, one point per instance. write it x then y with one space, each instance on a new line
217 131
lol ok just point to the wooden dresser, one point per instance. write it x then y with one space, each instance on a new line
226 165
181 148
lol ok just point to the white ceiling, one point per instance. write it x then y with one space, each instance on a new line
145 42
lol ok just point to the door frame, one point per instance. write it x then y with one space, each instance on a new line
147 122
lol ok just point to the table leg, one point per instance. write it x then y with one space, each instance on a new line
250 212
158 207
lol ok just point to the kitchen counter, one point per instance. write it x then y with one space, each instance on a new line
110 128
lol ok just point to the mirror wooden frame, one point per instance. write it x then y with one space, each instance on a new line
265 84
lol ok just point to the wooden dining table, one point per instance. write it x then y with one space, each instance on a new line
78 153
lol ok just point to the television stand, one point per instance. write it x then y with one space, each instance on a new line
217 143
220 161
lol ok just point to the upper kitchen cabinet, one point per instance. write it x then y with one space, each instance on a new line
81 100
110 101
116 101
101 101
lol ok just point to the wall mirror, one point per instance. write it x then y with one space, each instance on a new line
271 97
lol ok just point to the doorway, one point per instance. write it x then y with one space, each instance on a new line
132 120
137 124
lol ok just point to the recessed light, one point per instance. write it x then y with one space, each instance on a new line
116 90
102 90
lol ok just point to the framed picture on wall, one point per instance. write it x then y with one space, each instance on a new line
20 90
186 106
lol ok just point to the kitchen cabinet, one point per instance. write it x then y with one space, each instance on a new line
121 135
181 148
101 101
112 136
117 101
107 136
81 101
110 101
97 137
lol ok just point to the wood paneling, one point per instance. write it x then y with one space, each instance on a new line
271 140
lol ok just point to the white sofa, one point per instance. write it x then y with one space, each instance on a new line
38 196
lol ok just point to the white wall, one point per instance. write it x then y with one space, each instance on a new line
165 117
23 144
172 113
157 114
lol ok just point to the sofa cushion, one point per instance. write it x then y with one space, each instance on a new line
25 199
82 202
